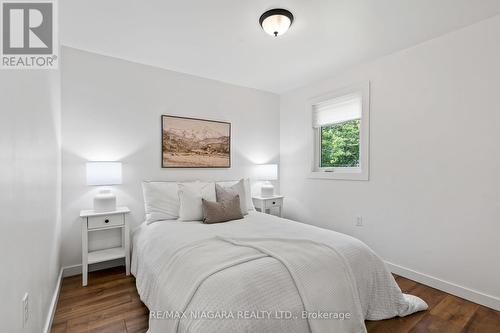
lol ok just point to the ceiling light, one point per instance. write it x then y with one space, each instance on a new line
276 21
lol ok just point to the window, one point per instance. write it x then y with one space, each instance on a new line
340 145
341 132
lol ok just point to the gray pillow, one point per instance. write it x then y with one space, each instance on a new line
227 193
227 210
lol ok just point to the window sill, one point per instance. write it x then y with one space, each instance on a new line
339 175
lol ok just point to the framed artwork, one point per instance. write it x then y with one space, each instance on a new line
195 143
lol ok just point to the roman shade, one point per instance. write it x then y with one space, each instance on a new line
337 110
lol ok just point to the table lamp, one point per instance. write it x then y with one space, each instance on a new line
104 174
266 172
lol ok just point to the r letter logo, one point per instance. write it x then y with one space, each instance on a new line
28 35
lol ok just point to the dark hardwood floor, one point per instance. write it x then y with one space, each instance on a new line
110 304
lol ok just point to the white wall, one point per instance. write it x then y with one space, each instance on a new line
432 201
111 111
29 195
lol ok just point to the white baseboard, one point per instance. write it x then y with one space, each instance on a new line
451 288
77 269
53 304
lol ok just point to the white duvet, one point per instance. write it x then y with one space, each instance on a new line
261 274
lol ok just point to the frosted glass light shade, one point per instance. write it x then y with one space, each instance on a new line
104 173
276 22
266 172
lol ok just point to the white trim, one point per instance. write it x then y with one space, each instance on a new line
449 287
77 269
53 304
337 175
72 270
362 172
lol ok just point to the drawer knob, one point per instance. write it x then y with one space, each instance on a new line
106 221
274 202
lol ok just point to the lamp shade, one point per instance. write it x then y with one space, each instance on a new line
266 172
104 173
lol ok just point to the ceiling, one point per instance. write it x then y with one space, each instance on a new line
221 39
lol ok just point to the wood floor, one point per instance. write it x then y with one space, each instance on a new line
110 304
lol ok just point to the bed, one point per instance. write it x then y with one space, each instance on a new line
261 274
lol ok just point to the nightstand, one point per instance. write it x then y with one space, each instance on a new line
92 222
264 204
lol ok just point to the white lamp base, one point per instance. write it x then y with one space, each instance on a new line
267 190
105 201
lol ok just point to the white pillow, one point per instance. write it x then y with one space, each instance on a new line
190 195
248 191
161 201
237 189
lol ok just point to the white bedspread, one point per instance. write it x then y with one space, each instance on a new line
260 265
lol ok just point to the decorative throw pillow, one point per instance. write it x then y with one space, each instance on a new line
190 195
216 212
226 193
161 201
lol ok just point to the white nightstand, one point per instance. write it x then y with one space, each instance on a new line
264 204
97 221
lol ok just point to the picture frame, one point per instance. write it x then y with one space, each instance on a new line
195 143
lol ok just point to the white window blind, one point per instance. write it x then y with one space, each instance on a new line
337 110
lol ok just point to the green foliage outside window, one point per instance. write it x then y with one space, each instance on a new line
340 145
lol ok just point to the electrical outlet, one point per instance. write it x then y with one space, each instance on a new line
359 221
26 308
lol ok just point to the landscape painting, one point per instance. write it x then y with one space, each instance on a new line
195 143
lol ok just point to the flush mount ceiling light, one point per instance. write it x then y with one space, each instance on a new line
276 21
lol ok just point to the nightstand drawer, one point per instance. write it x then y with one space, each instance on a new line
96 222
273 203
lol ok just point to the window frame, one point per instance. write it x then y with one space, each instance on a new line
346 173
